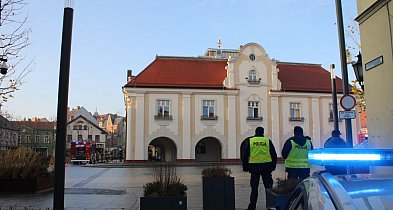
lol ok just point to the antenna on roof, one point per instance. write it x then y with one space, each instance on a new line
219 43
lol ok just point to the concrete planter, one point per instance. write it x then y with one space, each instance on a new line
28 185
163 203
218 193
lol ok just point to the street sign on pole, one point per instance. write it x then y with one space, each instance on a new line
347 114
348 102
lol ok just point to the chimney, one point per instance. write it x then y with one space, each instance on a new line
129 75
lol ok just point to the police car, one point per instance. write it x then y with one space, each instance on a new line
355 191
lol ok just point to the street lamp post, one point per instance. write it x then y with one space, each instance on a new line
3 61
61 132
344 70
334 97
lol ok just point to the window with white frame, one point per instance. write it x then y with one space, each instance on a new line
208 109
46 139
252 76
28 140
37 139
294 111
331 117
253 110
163 108
331 113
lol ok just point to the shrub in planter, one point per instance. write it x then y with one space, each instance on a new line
218 188
22 170
279 194
166 191
217 171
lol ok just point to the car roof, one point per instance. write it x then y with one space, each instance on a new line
360 191
366 185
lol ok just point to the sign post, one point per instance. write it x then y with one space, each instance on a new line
347 114
348 102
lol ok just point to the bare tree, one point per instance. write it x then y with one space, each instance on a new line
14 38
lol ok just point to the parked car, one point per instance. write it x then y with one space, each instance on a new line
358 191
322 190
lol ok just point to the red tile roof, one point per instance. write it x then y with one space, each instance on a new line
200 72
182 72
298 77
47 126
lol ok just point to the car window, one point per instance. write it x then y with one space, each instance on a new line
317 195
297 200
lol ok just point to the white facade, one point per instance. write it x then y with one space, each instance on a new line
81 129
251 84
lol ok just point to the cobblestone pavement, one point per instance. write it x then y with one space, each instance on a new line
120 188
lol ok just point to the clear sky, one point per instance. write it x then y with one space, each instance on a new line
112 36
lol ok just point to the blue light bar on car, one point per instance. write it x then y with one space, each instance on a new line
348 156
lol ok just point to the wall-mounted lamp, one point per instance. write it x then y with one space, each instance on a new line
3 66
358 69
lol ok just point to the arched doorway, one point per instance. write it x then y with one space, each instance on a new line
208 149
162 149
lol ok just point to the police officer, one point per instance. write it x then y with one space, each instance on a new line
295 153
336 142
259 158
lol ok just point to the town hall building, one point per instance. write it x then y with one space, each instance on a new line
202 108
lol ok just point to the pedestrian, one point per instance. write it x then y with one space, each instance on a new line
295 153
259 158
335 141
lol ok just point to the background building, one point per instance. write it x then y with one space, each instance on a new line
84 127
8 134
114 125
202 108
37 134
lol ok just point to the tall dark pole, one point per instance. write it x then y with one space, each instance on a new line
344 70
61 129
334 97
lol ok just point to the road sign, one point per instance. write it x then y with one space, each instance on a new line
347 114
347 102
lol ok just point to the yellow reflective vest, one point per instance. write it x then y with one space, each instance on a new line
259 150
298 156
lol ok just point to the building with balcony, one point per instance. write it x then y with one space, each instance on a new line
82 129
202 108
